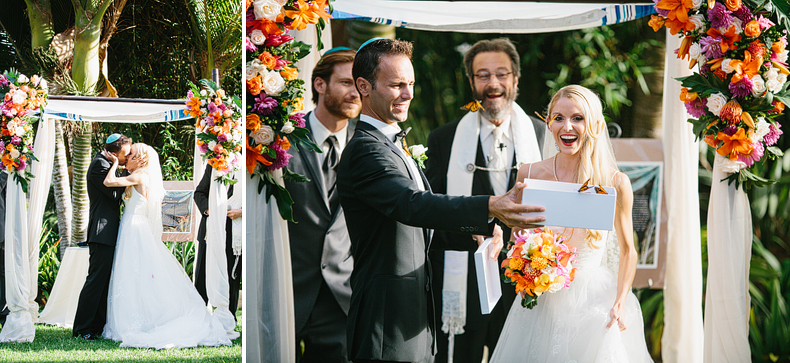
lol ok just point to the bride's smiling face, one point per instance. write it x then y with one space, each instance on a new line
568 125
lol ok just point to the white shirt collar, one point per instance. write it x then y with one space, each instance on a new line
487 128
388 130
320 132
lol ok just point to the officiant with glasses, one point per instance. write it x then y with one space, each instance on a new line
478 154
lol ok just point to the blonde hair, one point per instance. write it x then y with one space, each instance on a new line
596 162
142 155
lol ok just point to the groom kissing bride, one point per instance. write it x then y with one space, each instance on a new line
136 292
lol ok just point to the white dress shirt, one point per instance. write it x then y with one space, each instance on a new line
487 139
321 133
389 132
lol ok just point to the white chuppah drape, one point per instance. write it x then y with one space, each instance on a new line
269 305
22 236
683 333
217 285
727 299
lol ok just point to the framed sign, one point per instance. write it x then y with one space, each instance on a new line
178 211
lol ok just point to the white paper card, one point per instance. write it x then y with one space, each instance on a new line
487 277
566 207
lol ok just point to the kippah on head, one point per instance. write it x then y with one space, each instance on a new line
335 49
112 138
371 40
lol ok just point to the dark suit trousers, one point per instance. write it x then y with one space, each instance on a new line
235 284
91 312
324 334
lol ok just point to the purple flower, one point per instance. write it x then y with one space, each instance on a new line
298 119
697 108
730 130
4 80
22 165
711 46
204 147
251 47
2 145
744 14
773 135
743 88
660 11
222 138
264 105
719 16
282 157
757 154
16 140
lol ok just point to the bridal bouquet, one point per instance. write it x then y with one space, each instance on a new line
217 127
22 104
274 91
538 261
740 84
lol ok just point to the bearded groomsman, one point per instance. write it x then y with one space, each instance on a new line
479 154
320 246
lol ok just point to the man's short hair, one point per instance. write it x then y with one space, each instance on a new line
366 63
116 145
494 45
326 67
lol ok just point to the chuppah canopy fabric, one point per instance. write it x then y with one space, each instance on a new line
491 16
118 110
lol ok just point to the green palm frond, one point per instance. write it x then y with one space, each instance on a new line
216 34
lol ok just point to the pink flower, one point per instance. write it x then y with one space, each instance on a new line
698 107
765 23
756 154
773 135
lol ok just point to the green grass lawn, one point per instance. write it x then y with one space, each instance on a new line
55 344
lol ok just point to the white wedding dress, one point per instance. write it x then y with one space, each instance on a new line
569 326
152 302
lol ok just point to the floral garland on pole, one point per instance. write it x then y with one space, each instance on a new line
217 128
740 84
274 91
22 105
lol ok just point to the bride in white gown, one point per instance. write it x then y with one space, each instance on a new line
152 302
598 318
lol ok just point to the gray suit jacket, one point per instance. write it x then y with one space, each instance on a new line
320 246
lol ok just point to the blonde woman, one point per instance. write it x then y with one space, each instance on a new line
152 303
597 319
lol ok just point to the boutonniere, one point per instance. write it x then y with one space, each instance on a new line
418 153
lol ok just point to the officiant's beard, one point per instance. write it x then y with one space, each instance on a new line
496 109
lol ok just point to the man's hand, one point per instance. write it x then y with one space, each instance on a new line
234 213
507 209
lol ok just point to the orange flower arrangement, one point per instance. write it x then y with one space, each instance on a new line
734 145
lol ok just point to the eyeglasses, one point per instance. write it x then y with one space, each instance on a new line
485 76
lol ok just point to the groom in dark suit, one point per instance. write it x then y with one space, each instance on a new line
390 212
320 247
103 222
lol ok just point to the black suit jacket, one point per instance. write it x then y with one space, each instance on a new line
440 143
105 210
392 313
320 246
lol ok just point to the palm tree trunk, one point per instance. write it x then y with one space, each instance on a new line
42 30
60 184
359 32
81 158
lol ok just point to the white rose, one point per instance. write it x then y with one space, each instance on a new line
288 128
782 57
282 2
759 86
203 93
702 59
264 135
731 166
697 20
19 97
771 73
695 4
695 51
236 136
763 127
273 83
773 85
725 66
14 153
212 144
268 9
418 149
254 68
782 78
19 131
22 79
43 84
716 102
257 37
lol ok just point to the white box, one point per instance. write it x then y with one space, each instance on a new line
488 284
566 207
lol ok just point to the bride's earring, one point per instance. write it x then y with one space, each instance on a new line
556 146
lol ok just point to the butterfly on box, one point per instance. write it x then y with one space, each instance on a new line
586 186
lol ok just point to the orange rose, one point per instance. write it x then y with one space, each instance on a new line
752 29
656 22
779 107
254 85
778 47
268 60
289 74
733 5
687 96
253 122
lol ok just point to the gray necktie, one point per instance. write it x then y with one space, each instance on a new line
329 167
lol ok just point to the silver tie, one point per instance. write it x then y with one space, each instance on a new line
498 163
